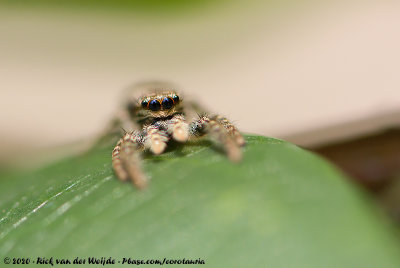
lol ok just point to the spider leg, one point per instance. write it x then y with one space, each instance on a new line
219 133
126 160
231 129
156 139
196 108
178 128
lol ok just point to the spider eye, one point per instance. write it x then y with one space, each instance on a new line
154 105
167 103
145 103
176 99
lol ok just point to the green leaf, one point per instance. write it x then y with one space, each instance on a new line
136 6
281 207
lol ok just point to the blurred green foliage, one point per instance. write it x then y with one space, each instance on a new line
140 6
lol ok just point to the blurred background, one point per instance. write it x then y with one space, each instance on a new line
322 74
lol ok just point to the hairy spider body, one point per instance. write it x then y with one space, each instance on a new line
160 115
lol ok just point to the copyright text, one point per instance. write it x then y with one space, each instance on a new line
99 261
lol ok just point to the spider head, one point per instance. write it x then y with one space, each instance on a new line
153 100
159 104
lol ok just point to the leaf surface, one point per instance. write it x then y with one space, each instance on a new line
281 207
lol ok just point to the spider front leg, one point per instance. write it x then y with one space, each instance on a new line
155 139
222 132
126 160
231 129
178 128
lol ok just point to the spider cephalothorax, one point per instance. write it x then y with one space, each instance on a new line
157 105
160 115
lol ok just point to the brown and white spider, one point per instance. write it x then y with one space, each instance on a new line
159 115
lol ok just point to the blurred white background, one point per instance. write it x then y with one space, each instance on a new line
274 70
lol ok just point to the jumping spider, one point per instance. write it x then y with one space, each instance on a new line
159 115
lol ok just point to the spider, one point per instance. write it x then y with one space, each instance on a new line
159 115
